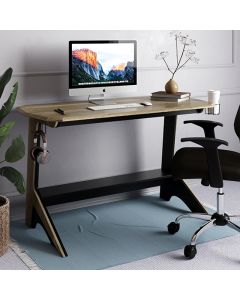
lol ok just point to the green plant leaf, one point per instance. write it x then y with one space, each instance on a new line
4 131
8 105
4 79
16 151
15 177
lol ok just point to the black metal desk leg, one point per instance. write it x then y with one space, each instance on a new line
169 133
170 187
180 189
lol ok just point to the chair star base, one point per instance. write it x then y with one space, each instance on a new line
216 219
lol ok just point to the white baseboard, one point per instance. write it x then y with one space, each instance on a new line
17 202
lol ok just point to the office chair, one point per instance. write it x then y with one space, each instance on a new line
212 166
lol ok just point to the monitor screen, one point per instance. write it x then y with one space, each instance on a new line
102 64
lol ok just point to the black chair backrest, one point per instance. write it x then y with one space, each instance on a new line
237 123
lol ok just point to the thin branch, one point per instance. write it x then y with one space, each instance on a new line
167 66
181 56
179 60
184 63
176 49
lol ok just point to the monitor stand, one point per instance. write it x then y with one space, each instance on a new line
99 99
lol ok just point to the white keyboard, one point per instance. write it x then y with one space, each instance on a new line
115 106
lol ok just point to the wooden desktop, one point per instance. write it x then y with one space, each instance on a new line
76 113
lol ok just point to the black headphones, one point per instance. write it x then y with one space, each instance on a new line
38 153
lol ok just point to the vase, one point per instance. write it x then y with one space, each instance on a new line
171 87
4 224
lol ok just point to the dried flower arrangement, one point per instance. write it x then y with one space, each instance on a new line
183 50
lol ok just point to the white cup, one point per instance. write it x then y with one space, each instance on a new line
213 97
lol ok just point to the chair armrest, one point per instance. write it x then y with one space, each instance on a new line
207 126
206 142
210 146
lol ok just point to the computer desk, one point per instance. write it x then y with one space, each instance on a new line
76 113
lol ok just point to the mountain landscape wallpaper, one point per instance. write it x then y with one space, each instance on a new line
103 64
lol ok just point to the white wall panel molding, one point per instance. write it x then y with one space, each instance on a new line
224 92
230 52
140 69
41 74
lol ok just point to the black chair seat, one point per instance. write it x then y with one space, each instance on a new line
191 162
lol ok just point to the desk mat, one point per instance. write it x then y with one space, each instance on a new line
111 234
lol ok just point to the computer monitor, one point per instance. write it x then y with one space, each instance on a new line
100 67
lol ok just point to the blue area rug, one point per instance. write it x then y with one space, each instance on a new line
111 234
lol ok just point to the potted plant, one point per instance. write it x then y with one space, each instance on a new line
15 152
183 56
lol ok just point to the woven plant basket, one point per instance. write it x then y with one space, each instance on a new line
4 224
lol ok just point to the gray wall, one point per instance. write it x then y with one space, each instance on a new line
40 63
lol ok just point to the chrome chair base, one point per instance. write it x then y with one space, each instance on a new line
211 220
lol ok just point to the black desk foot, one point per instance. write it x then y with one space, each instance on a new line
179 189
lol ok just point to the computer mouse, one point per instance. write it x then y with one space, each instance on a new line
146 103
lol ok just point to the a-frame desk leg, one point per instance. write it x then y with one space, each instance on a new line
170 187
36 212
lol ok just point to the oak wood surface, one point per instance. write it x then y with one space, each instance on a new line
30 188
33 200
78 111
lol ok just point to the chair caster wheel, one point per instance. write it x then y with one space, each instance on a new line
190 251
173 227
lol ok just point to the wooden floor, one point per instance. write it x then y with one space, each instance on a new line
10 261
